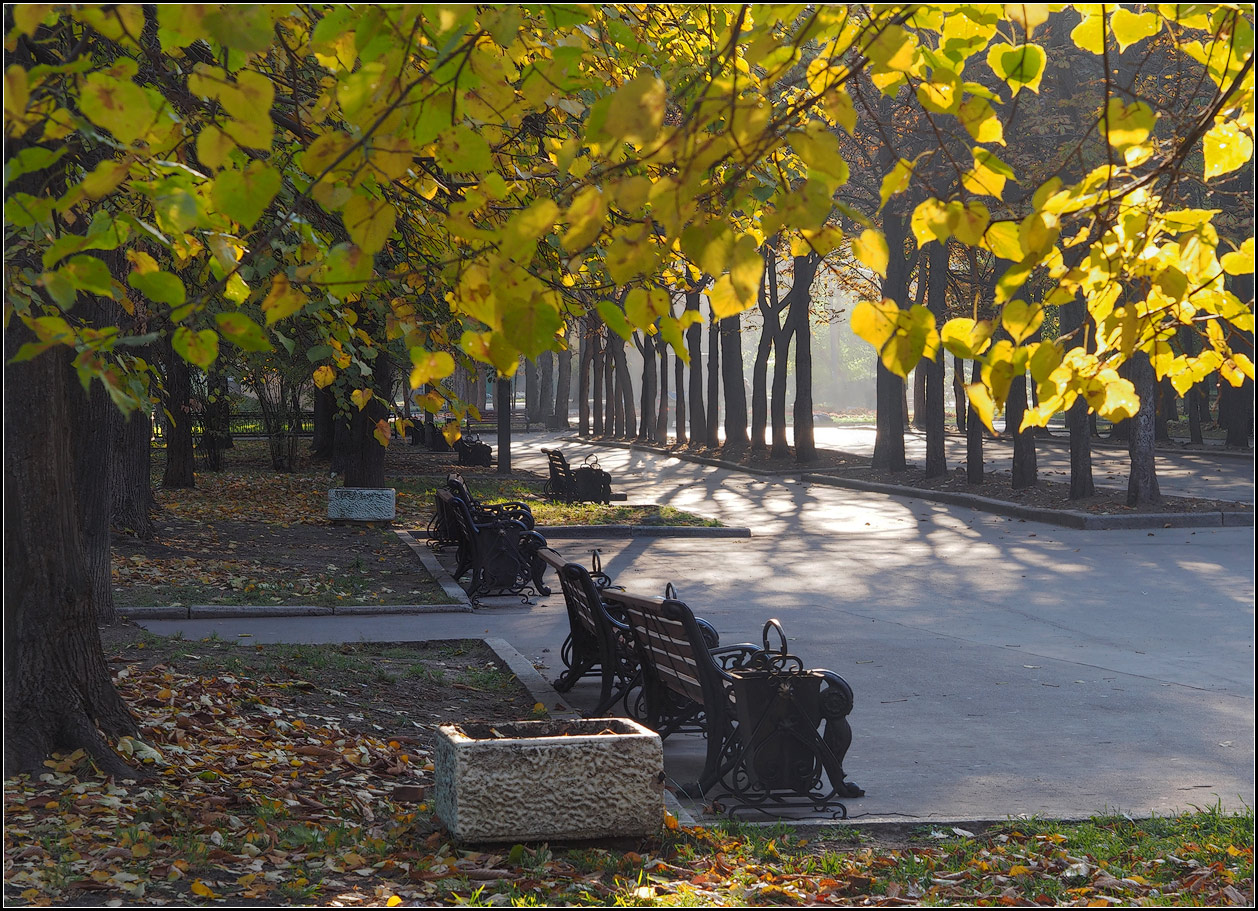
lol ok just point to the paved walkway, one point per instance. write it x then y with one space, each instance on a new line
1001 666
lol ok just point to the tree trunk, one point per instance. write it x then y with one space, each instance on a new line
974 435
713 432
936 299
131 482
661 417
732 381
958 391
1025 471
679 378
646 427
626 412
1238 402
532 393
1142 485
324 418
563 391
58 691
919 394
801 300
889 439
1073 318
546 388
596 369
760 367
180 453
585 364
694 345
216 420
502 397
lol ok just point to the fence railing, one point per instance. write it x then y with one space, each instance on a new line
245 424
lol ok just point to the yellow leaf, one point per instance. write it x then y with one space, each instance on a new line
967 338
323 376
585 219
1130 27
726 299
896 181
636 111
361 397
1089 35
1128 125
382 432
871 249
1001 238
203 890
980 120
1226 148
429 366
1021 319
451 432
1019 870
1240 261
984 407
283 300
393 902
369 222
875 321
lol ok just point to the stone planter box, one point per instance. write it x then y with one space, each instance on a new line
541 780
362 504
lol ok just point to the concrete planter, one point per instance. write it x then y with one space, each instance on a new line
540 780
362 504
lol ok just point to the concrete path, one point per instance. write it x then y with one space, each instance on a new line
1001 666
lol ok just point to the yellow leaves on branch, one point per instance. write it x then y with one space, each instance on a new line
901 337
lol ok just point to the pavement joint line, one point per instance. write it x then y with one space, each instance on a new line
1066 518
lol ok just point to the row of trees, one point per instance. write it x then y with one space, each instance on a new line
358 193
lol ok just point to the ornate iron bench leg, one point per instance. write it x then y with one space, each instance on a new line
836 705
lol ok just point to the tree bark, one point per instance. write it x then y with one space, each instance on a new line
58 692
1142 484
760 367
646 426
732 381
216 420
596 387
131 482
712 431
502 396
661 417
585 364
801 300
324 418
180 452
563 391
694 345
679 380
889 439
1025 471
1073 318
936 299
973 434
958 391
546 388
532 393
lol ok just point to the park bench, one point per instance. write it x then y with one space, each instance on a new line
501 553
775 731
471 451
511 509
586 484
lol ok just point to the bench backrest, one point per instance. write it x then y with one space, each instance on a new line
560 474
585 607
671 647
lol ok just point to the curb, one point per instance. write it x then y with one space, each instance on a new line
688 457
236 611
1066 518
539 689
644 531
436 570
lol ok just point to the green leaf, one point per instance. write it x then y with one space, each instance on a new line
369 222
244 195
614 317
636 111
534 324
1021 67
159 287
118 105
242 332
820 150
199 348
283 300
464 151
585 218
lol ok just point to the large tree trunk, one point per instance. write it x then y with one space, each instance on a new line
216 420
96 420
958 391
58 692
679 380
131 484
694 345
889 439
1142 484
1025 470
1236 403
732 381
919 394
713 432
180 451
936 299
801 300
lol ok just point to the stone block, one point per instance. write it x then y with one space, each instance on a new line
362 504
541 780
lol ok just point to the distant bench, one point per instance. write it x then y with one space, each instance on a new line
586 484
